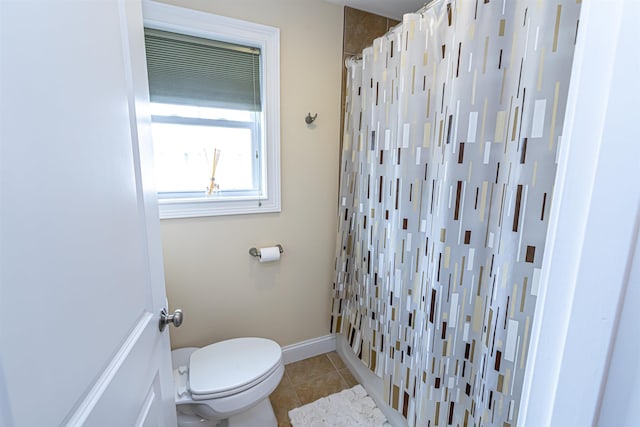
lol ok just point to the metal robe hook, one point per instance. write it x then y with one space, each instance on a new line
310 119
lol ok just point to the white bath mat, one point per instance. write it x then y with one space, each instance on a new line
348 408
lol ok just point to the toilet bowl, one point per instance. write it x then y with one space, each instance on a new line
227 383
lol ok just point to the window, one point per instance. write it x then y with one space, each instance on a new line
214 87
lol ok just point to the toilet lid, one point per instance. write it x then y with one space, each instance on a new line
232 364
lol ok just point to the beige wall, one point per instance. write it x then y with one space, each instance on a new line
223 291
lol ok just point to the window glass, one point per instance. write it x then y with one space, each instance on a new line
185 156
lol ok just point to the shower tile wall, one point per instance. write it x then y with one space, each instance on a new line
359 30
453 123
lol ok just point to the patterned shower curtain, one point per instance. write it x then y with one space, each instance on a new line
452 126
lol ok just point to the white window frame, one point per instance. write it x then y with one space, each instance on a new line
166 17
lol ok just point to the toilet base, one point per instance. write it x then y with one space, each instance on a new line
261 415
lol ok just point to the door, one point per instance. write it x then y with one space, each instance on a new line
81 282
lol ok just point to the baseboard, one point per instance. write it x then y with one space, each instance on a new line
370 381
309 348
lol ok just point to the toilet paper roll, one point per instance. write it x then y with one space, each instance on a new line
269 254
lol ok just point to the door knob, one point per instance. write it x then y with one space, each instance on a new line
166 318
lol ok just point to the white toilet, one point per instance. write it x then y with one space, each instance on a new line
227 383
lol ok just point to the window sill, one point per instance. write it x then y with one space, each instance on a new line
201 207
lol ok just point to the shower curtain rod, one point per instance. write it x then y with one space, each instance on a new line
420 11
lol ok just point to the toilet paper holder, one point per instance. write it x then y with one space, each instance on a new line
256 252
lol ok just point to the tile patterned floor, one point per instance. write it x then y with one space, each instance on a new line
308 380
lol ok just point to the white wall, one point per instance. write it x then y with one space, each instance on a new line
619 406
223 291
592 233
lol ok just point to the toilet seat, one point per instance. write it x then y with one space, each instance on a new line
230 367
